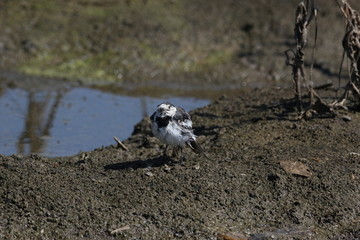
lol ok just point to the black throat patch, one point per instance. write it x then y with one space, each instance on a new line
163 122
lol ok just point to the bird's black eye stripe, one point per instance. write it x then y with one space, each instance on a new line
163 122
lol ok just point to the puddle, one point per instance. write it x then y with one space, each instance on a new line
66 121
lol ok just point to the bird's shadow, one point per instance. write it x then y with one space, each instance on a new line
152 162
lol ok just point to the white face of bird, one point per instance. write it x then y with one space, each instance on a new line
165 109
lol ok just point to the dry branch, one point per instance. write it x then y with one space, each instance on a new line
124 228
120 144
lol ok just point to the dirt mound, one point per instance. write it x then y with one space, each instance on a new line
270 177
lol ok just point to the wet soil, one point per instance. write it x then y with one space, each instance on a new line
244 190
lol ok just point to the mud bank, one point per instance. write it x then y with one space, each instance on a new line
220 43
247 188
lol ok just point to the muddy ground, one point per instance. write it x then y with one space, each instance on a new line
270 175
244 190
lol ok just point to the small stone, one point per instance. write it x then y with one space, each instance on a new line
354 154
196 167
150 174
346 118
167 168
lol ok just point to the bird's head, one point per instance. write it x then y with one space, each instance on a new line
165 109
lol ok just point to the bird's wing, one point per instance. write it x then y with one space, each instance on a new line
183 118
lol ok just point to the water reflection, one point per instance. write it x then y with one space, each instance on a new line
38 121
65 121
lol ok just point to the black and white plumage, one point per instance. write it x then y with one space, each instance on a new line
172 125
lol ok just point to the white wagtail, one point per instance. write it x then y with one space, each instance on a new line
172 125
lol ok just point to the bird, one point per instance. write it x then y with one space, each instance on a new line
172 125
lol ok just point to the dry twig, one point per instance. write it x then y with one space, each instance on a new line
120 229
120 144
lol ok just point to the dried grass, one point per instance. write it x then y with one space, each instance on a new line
351 45
306 12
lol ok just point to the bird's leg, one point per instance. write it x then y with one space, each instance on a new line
175 152
178 153
182 158
164 153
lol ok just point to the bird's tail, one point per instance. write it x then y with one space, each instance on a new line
196 148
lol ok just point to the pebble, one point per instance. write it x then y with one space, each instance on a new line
167 168
346 118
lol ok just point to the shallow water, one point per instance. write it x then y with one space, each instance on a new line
69 120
